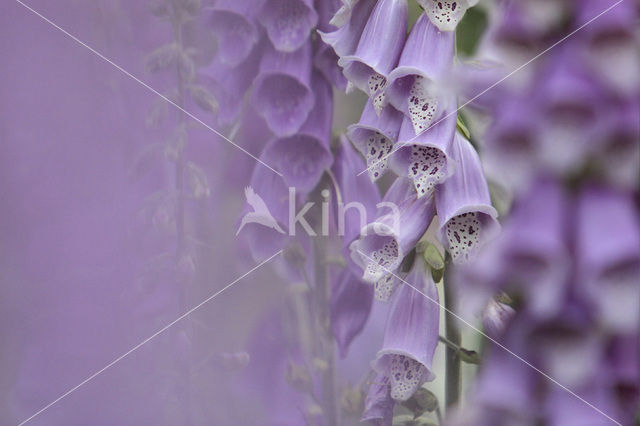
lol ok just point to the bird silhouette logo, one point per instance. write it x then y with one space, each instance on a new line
260 213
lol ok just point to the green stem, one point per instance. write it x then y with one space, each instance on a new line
452 334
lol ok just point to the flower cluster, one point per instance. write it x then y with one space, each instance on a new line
563 141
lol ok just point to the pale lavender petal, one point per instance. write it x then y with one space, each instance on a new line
374 136
350 304
411 334
344 40
467 218
413 86
496 318
379 47
326 61
288 22
426 158
282 91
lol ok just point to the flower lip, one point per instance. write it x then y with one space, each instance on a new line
288 22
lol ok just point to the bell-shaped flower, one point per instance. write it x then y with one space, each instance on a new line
232 22
496 318
608 255
378 405
303 157
446 14
229 84
349 307
426 158
282 91
467 218
413 86
611 43
378 49
535 250
288 22
411 334
344 40
359 196
374 136
384 242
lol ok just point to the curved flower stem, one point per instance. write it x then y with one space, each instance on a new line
452 381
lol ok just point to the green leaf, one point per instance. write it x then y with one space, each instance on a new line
462 128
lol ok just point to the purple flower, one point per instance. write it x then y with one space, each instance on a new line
446 14
411 334
326 61
378 49
383 243
229 84
378 405
426 158
467 218
374 136
496 318
350 306
288 22
608 255
535 247
232 22
282 91
344 40
426 58
303 157
611 44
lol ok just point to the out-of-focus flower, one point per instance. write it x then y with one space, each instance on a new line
282 91
232 22
304 156
288 22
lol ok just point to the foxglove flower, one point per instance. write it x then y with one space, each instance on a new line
378 405
383 243
288 22
496 317
426 158
359 196
467 218
303 157
411 334
344 40
282 91
446 14
378 49
232 22
611 43
426 58
374 136
326 61
350 306
229 85
535 250
608 256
